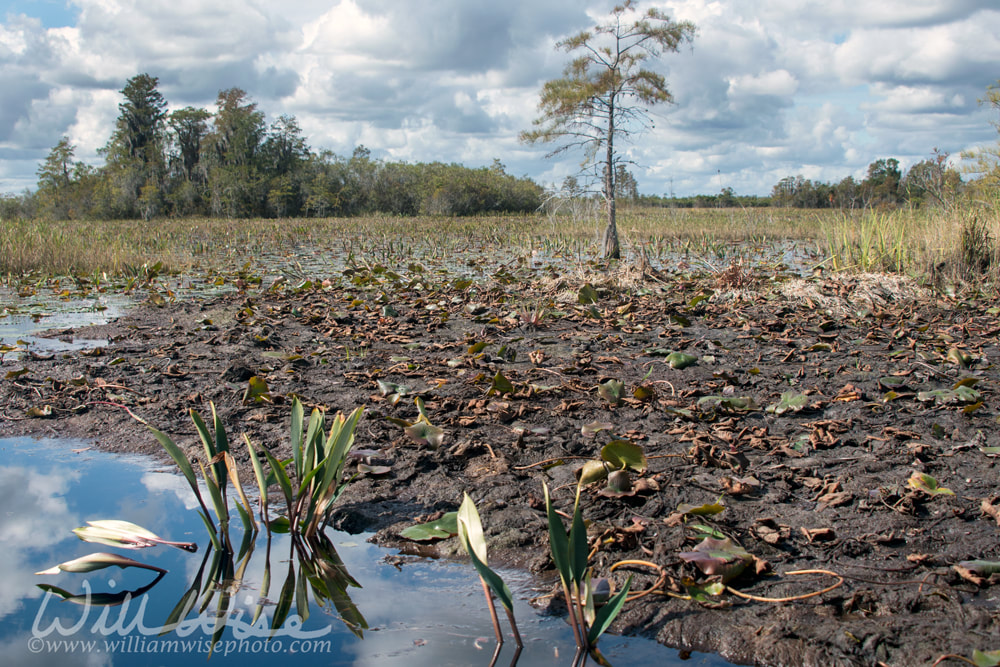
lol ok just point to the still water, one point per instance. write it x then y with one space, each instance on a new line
417 612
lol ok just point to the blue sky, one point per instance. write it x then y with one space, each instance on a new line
768 89
52 13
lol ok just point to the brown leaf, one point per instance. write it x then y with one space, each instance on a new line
835 499
969 575
739 486
989 508
849 393
819 534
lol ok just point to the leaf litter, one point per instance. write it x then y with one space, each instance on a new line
830 427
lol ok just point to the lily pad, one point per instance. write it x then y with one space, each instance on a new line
730 403
679 360
723 558
924 482
790 402
708 509
595 427
624 455
423 433
500 385
439 529
612 391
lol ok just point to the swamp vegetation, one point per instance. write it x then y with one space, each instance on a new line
772 431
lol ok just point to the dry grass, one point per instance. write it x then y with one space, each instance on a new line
960 245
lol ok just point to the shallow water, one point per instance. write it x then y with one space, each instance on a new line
23 318
423 612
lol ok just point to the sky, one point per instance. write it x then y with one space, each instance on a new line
768 88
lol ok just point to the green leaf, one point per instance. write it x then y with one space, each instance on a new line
98 561
500 385
389 388
258 472
587 295
558 541
592 471
643 393
680 361
367 469
983 568
477 347
708 509
256 391
718 557
284 604
42 412
278 470
295 437
425 434
612 391
595 427
623 454
790 402
607 614
924 482
986 659
731 403
578 549
470 534
439 529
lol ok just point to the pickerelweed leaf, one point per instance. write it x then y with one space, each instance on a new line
643 393
731 403
439 529
986 658
126 535
98 561
366 469
387 388
500 385
983 568
470 533
256 391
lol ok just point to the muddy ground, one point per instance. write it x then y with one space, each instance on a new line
820 481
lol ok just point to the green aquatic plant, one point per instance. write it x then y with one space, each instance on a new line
470 534
317 467
569 553
313 485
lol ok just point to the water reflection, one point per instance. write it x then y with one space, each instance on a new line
230 604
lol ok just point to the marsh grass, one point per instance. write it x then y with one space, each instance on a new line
959 244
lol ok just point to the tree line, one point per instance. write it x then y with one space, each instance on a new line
930 182
233 163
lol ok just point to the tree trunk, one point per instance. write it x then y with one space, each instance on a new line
612 250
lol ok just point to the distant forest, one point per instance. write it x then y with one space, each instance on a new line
191 162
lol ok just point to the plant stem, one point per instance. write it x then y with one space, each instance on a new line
493 612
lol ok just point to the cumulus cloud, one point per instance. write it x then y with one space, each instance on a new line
767 90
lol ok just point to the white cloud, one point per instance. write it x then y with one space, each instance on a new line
768 88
